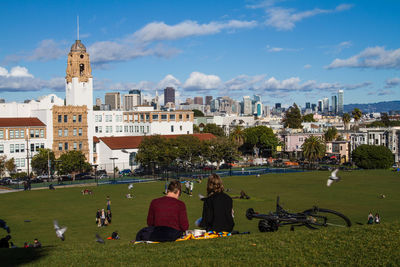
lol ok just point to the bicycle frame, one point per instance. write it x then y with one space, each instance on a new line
283 217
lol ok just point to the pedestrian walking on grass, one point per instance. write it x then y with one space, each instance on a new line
377 219
108 203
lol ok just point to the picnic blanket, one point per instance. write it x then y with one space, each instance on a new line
190 236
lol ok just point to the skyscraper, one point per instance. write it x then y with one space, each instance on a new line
114 100
320 106
198 100
308 105
334 110
132 99
247 106
340 102
325 105
169 95
208 99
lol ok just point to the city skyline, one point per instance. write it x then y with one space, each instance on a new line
284 51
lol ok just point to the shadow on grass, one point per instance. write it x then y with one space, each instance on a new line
20 256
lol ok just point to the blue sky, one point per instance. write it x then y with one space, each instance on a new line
285 51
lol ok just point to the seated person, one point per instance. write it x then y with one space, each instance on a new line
36 243
167 218
217 207
4 242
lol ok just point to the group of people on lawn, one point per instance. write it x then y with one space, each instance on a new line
167 218
103 218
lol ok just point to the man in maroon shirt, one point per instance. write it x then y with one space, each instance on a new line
167 218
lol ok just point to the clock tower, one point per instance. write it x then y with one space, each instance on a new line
79 80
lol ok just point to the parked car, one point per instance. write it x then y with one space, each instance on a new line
100 172
104 176
80 176
125 172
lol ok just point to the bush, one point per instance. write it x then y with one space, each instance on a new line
372 157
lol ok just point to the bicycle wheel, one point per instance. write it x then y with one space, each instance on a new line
317 218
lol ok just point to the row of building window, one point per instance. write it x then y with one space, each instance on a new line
135 117
20 148
74 132
126 129
20 133
65 145
75 118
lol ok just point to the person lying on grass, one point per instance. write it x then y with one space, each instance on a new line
167 218
217 207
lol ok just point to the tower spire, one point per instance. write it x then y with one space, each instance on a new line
77 22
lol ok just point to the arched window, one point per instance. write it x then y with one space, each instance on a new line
81 69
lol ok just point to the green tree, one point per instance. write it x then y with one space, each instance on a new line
385 119
330 134
221 149
196 129
346 120
40 161
293 118
308 118
261 138
188 150
73 162
10 165
2 165
198 113
156 150
372 157
376 124
237 136
213 129
357 114
313 148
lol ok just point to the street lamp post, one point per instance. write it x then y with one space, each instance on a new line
113 159
95 173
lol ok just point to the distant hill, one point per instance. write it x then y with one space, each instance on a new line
385 106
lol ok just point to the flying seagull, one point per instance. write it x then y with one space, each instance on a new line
333 178
59 231
130 186
99 239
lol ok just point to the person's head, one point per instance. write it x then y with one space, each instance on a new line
214 184
36 240
174 187
108 197
377 215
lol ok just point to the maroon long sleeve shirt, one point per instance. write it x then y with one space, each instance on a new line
168 211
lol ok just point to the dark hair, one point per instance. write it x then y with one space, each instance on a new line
174 186
214 184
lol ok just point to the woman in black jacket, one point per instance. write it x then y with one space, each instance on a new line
217 208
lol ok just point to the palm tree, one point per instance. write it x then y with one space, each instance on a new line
313 148
237 135
356 114
346 119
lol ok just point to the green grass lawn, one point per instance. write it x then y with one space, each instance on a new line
355 196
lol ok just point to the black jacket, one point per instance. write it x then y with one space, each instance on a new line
217 213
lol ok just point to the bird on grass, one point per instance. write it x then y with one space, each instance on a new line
130 186
99 239
333 178
59 231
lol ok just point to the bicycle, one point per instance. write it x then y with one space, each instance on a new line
313 218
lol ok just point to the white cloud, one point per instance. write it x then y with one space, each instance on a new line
159 31
243 82
307 66
169 81
19 79
284 19
371 57
108 51
200 81
16 72
47 50
393 82
281 49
